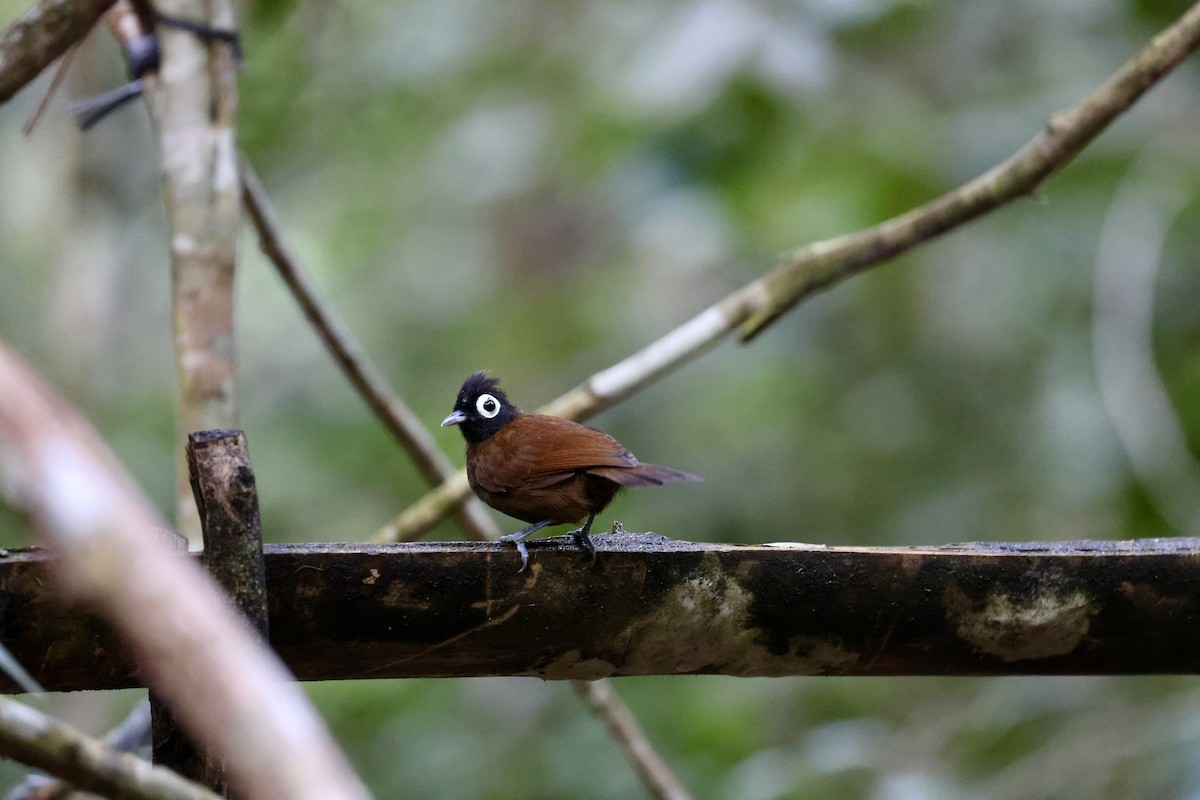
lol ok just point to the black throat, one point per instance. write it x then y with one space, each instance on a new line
476 427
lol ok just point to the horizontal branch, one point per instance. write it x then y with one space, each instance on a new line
650 605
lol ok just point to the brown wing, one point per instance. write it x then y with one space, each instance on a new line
535 451
646 475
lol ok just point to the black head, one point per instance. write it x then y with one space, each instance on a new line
482 408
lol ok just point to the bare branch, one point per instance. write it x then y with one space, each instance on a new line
388 406
175 622
655 774
194 103
433 507
823 264
31 737
130 734
40 36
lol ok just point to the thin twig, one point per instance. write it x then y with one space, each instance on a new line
31 737
818 266
660 782
40 36
389 407
60 74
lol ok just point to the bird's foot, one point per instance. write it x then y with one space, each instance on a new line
582 539
518 539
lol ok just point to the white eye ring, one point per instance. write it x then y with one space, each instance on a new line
487 406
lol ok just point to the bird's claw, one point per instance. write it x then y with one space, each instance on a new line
519 540
584 541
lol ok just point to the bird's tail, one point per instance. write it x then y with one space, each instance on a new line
645 475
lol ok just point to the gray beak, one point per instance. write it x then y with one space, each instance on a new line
455 418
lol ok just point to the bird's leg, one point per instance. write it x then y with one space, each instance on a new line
518 539
581 536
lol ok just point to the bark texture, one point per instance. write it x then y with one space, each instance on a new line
650 605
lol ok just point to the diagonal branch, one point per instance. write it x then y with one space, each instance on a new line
823 264
41 35
660 782
820 265
29 736
388 406
130 735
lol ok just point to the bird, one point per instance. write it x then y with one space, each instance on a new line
541 469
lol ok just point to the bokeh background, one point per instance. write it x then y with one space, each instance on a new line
541 188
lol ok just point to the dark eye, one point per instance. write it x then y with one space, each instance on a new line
487 406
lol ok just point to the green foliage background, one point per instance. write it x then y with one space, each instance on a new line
542 188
